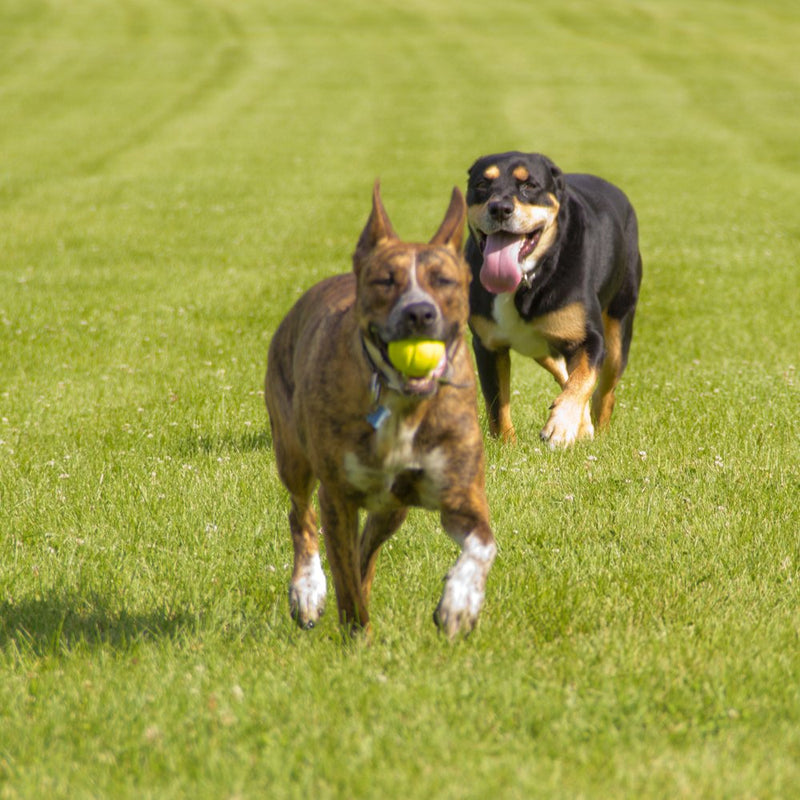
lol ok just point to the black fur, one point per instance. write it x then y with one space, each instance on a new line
593 260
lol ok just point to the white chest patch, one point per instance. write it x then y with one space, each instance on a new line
514 332
397 462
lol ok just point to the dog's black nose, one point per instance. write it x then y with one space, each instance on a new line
420 317
501 209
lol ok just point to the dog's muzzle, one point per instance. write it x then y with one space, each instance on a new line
376 350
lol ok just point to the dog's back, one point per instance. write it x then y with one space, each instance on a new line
609 236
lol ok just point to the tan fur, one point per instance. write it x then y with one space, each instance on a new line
531 338
570 418
603 399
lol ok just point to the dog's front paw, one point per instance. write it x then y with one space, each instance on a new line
307 593
464 590
569 421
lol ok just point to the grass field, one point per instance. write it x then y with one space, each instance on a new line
172 174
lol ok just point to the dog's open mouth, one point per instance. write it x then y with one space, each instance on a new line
426 384
407 384
529 244
526 242
504 257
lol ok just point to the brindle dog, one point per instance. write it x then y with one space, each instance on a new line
343 416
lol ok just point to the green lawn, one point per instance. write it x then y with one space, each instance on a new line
173 173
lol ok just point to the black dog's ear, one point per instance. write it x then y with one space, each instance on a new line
378 229
558 177
451 231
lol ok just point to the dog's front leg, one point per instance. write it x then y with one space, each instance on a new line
570 417
307 589
465 585
494 373
340 529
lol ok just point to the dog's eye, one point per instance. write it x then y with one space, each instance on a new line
528 188
439 281
383 280
481 189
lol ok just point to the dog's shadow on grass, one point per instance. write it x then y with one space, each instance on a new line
50 626
225 442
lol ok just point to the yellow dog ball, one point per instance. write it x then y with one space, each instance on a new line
416 357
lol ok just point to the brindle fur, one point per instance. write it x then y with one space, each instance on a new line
428 452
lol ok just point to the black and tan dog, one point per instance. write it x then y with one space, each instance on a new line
343 416
556 273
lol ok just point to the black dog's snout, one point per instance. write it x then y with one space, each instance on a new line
501 209
420 317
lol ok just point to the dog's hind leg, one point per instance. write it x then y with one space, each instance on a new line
557 367
603 398
618 332
377 529
340 529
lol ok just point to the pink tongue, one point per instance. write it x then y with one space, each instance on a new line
500 271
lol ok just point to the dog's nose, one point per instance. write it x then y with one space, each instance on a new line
501 209
419 316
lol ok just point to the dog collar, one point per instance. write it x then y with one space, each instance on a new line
528 278
390 378
387 375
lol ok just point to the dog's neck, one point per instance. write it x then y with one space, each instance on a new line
381 374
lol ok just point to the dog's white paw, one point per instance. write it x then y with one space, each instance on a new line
464 589
569 421
307 593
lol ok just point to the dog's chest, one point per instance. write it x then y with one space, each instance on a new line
508 329
396 472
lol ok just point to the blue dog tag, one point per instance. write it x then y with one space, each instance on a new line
377 417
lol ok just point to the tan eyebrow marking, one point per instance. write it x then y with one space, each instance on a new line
521 174
492 172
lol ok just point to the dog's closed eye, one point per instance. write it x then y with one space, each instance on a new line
481 190
439 280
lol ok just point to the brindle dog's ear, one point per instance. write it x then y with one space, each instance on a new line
378 229
451 231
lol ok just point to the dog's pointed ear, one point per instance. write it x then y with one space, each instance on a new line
378 229
451 231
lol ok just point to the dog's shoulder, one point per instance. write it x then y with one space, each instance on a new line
599 199
329 298
331 295
313 325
